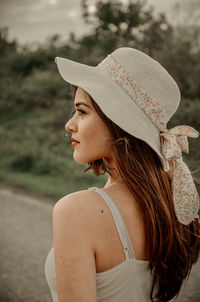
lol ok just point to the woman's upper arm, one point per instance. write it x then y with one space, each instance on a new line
74 253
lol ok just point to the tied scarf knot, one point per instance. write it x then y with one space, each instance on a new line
174 141
186 199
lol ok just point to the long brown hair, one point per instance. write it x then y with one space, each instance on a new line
172 247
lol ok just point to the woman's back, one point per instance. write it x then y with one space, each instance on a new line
121 264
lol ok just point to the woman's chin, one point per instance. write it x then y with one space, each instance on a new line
83 160
80 160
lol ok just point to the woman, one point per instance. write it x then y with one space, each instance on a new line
135 239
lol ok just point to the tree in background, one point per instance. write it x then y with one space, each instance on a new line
116 24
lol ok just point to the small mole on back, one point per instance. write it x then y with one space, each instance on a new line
102 211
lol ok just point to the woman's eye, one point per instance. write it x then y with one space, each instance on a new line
74 111
81 111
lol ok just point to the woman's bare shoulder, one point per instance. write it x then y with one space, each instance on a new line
83 209
84 201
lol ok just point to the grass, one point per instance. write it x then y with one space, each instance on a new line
44 186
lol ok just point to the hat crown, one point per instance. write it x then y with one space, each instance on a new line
152 76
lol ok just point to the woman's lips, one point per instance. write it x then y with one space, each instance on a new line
74 143
74 140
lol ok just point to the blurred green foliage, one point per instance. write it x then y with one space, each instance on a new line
35 102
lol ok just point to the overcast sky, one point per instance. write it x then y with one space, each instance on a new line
35 20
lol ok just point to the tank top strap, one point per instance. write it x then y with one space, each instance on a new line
119 223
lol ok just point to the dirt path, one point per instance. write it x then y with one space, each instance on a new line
26 238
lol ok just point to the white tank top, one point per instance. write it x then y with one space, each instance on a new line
129 281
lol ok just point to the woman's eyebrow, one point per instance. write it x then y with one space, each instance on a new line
81 103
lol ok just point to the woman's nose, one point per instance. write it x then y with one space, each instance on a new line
70 126
67 128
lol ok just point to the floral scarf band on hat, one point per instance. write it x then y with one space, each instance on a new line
185 195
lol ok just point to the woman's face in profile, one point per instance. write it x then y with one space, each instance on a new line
89 130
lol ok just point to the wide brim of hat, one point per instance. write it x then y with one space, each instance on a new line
112 100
